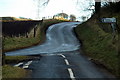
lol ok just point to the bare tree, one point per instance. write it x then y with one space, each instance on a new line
83 18
64 15
72 17
41 4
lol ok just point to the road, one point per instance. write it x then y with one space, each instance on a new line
61 57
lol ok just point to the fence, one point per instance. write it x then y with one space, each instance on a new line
17 28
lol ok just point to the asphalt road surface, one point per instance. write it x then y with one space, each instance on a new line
60 56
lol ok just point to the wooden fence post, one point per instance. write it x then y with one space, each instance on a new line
3 58
19 36
35 30
26 34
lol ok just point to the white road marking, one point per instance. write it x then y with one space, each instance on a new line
69 69
66 61
18 64
71 74
63 56
25 67
27 64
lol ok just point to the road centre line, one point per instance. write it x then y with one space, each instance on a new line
66 61
18 64
71 74
63 56
69 69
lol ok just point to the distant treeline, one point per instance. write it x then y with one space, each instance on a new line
15 28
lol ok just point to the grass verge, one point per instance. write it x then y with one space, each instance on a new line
16 59
99 44
13 72
13 43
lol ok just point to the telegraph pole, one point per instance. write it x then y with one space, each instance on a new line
38 12
40 4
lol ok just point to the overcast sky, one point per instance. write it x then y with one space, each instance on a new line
28 8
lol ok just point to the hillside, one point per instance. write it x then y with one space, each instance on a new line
98 42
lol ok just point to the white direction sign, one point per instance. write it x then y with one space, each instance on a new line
112 21
109 20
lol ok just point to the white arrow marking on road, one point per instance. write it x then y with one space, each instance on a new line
18 64
27 64
25 67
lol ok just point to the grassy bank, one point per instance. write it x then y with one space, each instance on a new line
13 43
98 42
16 59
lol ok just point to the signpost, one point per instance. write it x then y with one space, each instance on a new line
109 20
112 21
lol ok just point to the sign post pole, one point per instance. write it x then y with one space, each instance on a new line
112 21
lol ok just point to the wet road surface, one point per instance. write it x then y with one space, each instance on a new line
60 56
70 65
